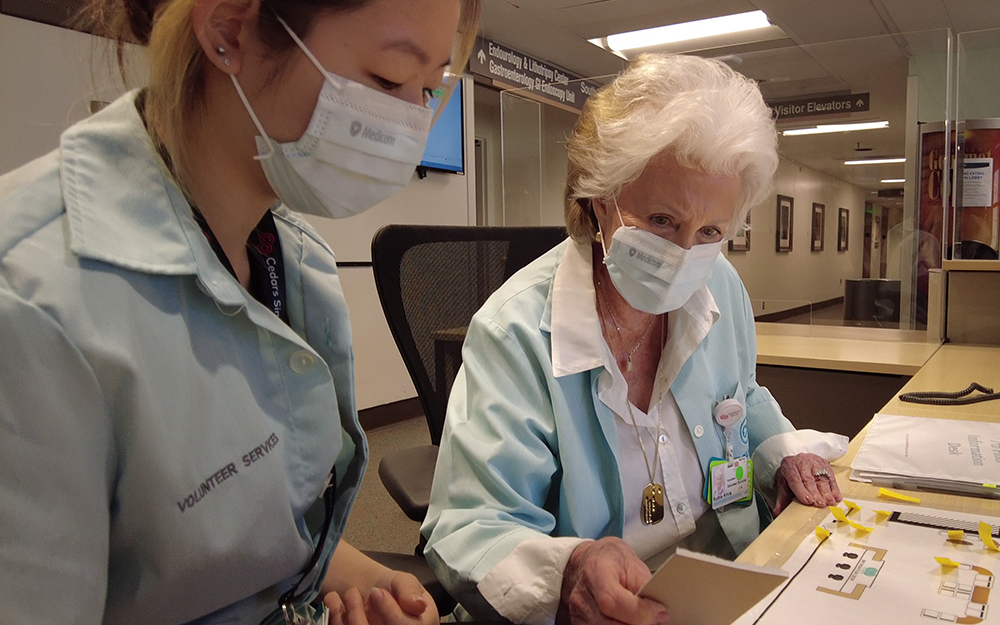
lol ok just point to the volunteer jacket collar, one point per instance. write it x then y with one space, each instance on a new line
124 210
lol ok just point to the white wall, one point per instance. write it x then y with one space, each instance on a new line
778 281
49 76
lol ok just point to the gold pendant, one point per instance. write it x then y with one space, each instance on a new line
652 504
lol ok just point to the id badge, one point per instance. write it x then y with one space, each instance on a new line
729 481
314 615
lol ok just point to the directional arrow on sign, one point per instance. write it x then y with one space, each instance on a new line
481 56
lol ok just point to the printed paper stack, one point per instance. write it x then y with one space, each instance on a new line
919 453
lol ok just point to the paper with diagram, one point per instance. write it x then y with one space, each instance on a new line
890 563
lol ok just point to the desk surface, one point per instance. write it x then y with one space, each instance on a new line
864 350
951 368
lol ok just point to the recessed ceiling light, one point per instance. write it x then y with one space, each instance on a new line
825 128
875 161
893 180
698 29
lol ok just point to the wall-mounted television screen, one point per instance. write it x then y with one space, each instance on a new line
445 144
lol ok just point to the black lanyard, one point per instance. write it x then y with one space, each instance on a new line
267 265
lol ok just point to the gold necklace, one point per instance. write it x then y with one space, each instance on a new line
618 330
652 494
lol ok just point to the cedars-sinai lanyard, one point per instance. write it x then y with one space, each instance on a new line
267 265
267 286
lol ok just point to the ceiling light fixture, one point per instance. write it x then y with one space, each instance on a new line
875 161
894 180
825 128
698 29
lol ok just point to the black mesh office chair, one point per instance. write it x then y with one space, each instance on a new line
430 280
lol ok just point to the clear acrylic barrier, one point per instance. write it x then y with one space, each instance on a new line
976 201
850 235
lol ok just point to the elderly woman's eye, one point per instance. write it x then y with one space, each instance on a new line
660 220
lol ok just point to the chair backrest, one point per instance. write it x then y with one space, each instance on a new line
431 280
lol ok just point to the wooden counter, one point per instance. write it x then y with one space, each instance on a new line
951 368
862 350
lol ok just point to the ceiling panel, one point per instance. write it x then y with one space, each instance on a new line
526 32
599 19
817 20
914 15
969 15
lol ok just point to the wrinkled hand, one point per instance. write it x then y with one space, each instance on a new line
797 479
397 599
600 583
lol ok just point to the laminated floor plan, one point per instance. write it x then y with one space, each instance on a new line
887 563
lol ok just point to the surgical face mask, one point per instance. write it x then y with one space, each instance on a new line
360 148
653 274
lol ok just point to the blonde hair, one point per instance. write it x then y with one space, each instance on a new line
704 114
177 63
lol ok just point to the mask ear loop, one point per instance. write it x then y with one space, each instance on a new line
619 211
604 247
256 122
302 46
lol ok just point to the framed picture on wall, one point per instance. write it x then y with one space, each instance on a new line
818 226
741 242
843 222
783 233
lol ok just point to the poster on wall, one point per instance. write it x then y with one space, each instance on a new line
783 233
818 226
843 223
741 242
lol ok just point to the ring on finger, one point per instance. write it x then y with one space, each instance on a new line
822 473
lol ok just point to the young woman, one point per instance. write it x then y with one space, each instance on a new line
176 381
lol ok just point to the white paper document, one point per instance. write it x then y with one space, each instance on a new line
699 589
919 453
884 570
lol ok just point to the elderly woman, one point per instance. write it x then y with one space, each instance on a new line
607 409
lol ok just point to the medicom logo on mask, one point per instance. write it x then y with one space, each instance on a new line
371 134
646 258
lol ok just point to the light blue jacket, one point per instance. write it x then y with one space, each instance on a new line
527 454
162 433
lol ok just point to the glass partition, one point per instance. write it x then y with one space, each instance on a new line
836 243
976 201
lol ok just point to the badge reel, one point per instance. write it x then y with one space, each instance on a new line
730 480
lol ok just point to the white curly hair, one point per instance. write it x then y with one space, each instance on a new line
704 114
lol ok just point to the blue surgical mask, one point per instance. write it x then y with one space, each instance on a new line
653 274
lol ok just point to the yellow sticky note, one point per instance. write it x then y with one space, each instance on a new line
956 535
990 485
984 534
851 506
859 527
881 515
839 514
946 562
822 533
888 494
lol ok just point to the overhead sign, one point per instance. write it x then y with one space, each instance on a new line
510 68
821 105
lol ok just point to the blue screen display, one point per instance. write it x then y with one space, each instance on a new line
445 143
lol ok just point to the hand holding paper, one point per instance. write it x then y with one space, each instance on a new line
600 583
